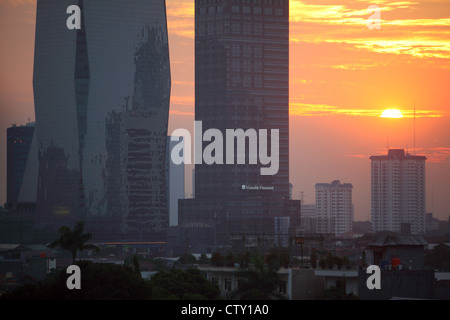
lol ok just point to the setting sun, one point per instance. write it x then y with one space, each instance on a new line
391 113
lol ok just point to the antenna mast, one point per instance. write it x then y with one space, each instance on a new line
414 128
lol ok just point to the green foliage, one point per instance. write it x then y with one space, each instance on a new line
98 281
229 259
203 259
259 281
330 261
322 263
217 259
244 260
137 268
438 257
278 257
119 282
338 262
187 259
183 284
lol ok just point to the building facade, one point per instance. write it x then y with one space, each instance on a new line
18 144
242 82
398 192
175 178
102 102
334 207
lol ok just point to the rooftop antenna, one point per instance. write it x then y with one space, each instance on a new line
414 147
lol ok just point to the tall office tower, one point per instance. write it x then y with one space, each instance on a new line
242 82
175 177
18 145
334 207
102 89
398 192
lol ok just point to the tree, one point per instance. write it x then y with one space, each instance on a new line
73 241
229 259
203 259
177 284
187 258
108 281
217 259
278 257
346 261
438 257
330 260
259 281
244 259
322 263
99 281
338 261
137 267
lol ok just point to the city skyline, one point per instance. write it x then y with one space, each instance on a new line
339 85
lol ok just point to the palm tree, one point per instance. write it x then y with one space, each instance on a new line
73 241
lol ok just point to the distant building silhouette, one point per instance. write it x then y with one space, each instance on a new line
18 144
334 208
398 192
308 223
102 104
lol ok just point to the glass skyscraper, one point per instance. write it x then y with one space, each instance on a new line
102 103
242 81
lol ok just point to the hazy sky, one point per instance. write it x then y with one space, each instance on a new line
342 76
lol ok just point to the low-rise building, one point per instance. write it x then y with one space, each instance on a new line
295 284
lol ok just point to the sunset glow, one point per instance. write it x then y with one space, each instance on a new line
391 113
345 82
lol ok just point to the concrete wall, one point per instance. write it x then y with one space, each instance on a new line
417 284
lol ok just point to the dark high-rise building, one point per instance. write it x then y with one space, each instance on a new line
102 89
18 145
242 82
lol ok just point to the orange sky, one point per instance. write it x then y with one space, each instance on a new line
342 76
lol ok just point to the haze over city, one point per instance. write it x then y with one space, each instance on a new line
343 75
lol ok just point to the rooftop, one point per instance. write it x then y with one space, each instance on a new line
398 154
399 240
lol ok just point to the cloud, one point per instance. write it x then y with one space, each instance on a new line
180 18
17 2
182 113
182 100
402 31
317 109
